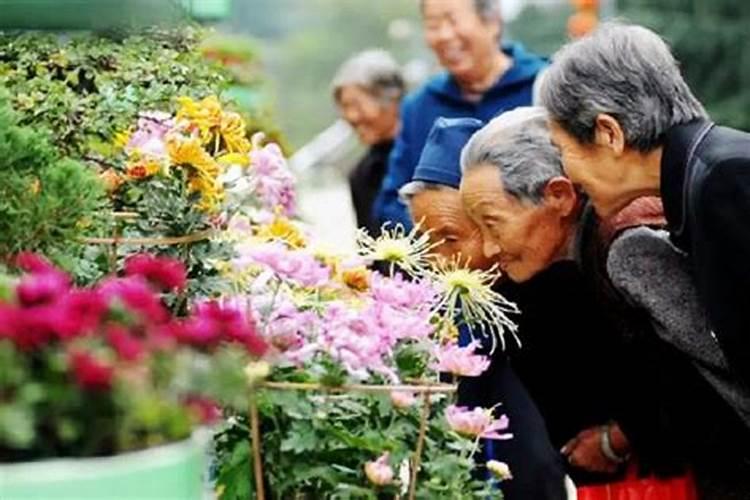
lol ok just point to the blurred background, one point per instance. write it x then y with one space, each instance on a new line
285 52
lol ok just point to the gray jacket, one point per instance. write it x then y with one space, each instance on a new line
653 275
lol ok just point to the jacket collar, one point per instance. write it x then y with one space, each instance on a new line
524 70
679 141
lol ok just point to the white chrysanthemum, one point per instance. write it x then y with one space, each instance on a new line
409 251
468 293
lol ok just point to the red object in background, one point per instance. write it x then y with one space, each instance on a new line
642 488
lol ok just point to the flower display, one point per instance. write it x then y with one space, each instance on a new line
111 349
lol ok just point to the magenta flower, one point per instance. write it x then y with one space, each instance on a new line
213 322
461 361
477 423
206 410
137 296
33 263
164 273
294 265
127 346
89 372
379 472
42 287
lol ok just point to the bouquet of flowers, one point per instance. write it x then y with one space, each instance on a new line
104 369
351 373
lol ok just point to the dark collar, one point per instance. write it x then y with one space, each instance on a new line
678 143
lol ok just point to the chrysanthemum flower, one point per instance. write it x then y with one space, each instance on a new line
379 472
461 361
468 294
409 251
282 229
477 423
215 126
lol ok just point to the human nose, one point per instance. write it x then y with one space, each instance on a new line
489 247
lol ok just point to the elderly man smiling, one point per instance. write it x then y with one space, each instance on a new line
435 202
532 216
482 78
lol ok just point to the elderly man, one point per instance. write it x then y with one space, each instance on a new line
532 216
481 79
435 202
628 125
368 89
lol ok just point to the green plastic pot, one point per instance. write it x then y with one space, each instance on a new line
167 472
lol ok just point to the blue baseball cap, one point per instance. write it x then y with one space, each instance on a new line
440 161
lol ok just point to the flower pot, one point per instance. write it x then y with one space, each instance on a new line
165 472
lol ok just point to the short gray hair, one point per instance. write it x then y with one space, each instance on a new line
376 71
486 9
625 71
412 189
519 145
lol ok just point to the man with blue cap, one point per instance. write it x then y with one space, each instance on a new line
435 202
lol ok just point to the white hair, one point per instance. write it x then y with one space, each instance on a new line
519 145
374 70
625 71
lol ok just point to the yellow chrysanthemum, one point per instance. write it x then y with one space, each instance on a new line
468 294
229 159
215 126
409 251
203 173
282 229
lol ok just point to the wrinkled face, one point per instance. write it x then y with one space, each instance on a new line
521 237
463 42
595 169
442 213
373 119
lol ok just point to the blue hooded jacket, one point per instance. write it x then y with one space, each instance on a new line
441 96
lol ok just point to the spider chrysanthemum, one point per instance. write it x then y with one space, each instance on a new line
410 251
468 294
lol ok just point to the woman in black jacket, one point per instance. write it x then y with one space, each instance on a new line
368 89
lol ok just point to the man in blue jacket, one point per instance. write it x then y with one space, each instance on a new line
481 79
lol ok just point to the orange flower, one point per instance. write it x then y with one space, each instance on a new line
357 279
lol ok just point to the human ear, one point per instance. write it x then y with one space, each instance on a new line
560 194
609 134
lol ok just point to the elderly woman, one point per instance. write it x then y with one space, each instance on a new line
368 89
628 125
532 216
435 202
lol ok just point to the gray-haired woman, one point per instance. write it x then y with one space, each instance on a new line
368 89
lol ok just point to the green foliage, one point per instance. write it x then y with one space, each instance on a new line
316 446
88 88
712 43
46 201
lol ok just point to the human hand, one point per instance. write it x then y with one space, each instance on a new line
585 452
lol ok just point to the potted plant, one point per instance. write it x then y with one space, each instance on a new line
102 387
